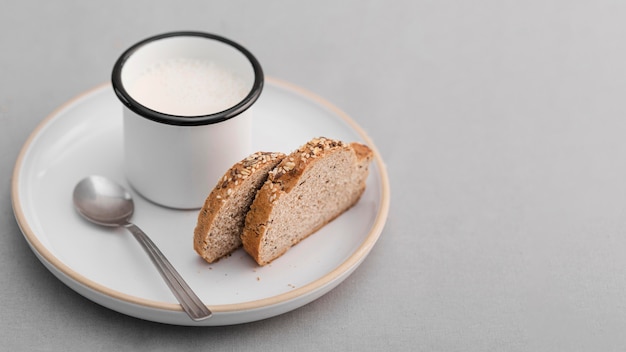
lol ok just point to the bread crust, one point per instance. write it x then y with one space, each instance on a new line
285 177
228 185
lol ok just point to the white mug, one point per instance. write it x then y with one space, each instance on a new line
175 156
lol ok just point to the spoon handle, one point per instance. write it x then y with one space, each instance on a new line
190 302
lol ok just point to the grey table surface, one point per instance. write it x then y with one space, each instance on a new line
503 128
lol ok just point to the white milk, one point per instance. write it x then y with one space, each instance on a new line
188 87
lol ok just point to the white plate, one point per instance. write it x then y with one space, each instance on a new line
84 137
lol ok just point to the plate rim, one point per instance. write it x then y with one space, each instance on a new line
345 267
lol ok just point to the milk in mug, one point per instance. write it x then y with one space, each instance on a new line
188 87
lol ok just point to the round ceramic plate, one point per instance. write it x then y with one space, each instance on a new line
84 137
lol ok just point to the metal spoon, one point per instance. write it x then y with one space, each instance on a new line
106 203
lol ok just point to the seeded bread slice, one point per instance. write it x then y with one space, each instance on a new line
221 219
308 189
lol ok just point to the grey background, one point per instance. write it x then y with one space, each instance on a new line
503 127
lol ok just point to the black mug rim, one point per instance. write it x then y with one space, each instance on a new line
138 108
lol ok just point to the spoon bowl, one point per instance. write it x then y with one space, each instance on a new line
106 203
103 202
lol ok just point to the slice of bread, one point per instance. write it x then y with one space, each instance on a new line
221 219
308 189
